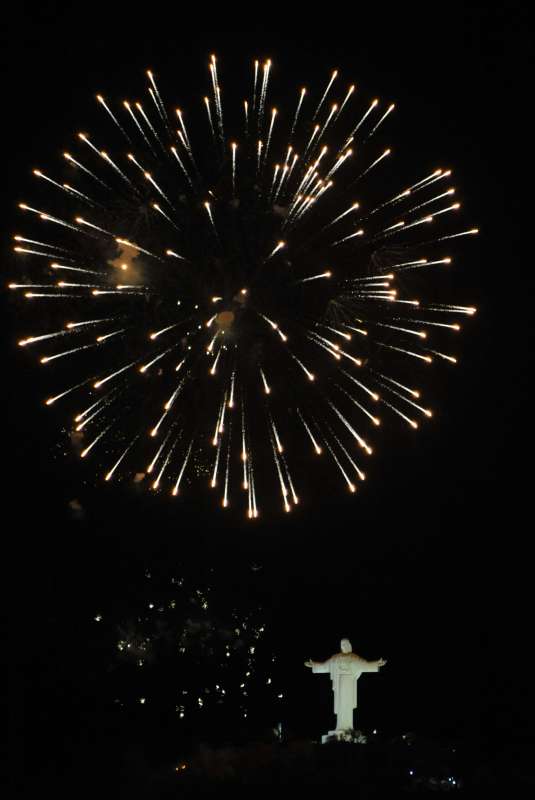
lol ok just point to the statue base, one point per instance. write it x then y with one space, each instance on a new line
344 735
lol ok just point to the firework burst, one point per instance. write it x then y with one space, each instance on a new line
234 292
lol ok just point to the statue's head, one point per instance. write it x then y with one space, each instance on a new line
345 645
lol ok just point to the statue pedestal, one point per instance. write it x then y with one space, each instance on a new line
338 736
344 735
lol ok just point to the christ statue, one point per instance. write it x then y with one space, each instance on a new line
345 669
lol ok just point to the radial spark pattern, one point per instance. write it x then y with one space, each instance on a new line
233 293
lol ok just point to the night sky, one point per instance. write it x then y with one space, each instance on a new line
427 566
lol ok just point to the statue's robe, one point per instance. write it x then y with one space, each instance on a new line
345 669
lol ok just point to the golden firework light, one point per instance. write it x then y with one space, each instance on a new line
234 293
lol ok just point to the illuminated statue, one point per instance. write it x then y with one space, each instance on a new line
345 669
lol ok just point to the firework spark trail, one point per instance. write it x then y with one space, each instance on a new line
85 322
361 442
360 232
103 103
325 93
295 498
103 381
426 411
166 216
98 407
294 162
451 326
117 169
365 388
275 173
333 111
128 107
83 196
46 359
225 502
216 437
259 156
213 482
422 263
244 458
346 336
210 119
155 94
378 160
411 422
270 133
51 400
100 401
349 210
313 136
253 489
219 240
156 103
263 92
110 473
407 352
156 484
149 124
246 112
365 116
315 444
176 487
351 460
95 441
451 359
42 337
297 110
28 251
159 452
453 309
40 244
382 119
284 173
448 193
234 147
184 137
48 218
346 100
375 420
62 187
247 484
351 486
154 432
283 489
412 392
87 171
255 82
217 97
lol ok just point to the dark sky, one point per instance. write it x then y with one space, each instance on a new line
428 567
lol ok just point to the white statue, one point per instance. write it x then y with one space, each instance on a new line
345 669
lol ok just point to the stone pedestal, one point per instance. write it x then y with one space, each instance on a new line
335 736
344 735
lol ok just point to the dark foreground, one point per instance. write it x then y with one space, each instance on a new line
375 768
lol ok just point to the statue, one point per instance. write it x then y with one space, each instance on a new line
345 669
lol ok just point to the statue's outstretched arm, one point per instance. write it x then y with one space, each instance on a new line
372 666
317 666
